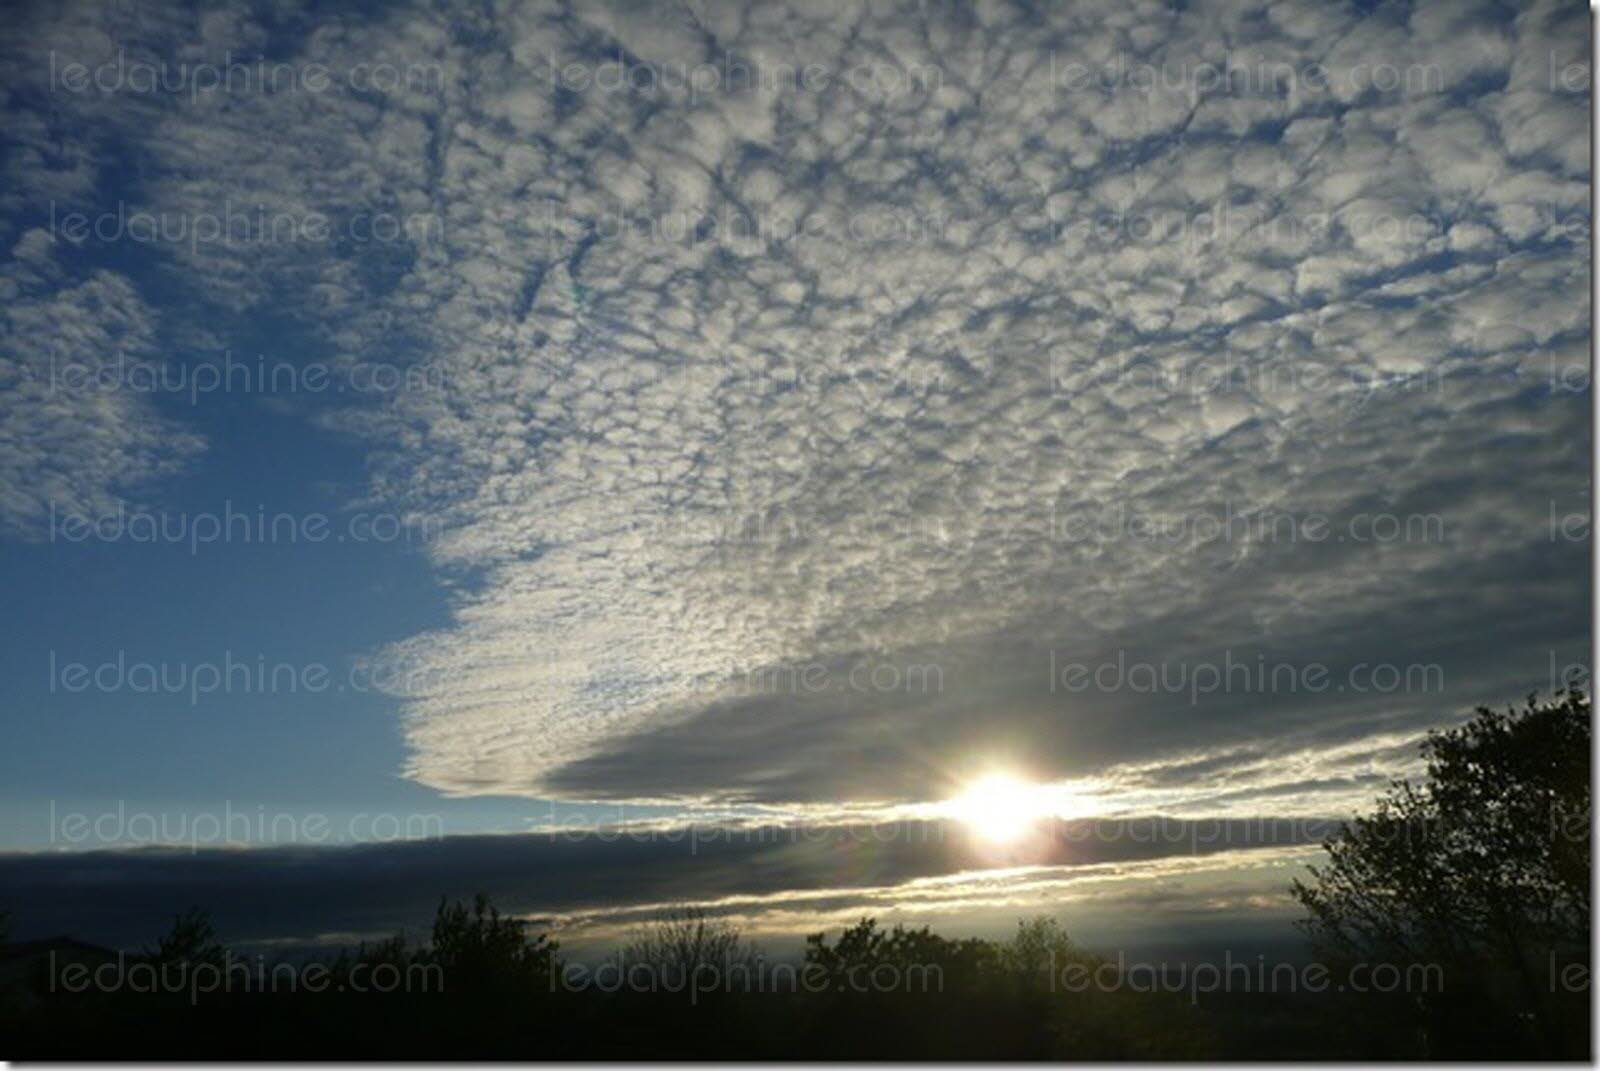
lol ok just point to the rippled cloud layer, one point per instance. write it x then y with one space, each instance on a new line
827 403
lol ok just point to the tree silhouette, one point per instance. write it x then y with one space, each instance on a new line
683 943
191 940
867 957
479 948
1482 870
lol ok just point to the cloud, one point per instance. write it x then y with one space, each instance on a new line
74 438
768 340
595 882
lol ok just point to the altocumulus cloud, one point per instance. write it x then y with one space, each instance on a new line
884 348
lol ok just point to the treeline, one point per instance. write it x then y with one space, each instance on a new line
686 986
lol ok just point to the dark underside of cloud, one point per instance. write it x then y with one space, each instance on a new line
125 898
1163 704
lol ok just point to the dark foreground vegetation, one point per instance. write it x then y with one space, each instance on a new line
1463 901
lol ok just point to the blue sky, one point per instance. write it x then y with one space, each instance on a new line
298 599
707 412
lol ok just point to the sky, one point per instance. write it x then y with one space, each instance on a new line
802 458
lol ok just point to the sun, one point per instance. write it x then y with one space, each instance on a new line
1000 808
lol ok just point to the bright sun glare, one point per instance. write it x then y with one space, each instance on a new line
998 808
